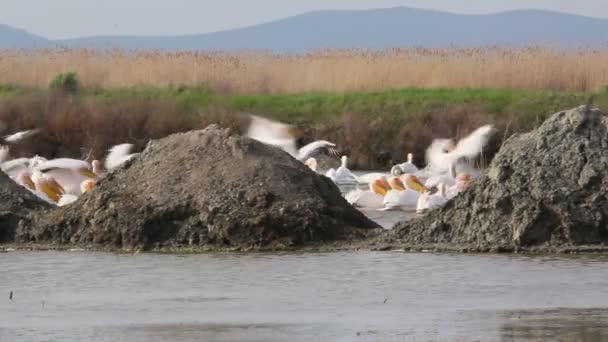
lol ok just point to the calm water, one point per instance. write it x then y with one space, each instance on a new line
363 296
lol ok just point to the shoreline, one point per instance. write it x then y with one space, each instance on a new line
353 246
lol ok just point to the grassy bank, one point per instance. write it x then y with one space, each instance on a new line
375 128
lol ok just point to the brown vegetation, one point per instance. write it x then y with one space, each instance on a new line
86 128
331 70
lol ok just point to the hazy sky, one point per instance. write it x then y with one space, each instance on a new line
73 18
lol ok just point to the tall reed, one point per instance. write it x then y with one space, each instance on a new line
534 67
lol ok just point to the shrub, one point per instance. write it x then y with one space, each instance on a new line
66 82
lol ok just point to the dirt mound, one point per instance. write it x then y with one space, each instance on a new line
206 188
16 204
544 188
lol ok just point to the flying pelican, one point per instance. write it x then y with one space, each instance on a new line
284 136
444 152
118 155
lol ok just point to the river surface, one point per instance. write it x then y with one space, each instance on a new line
355 296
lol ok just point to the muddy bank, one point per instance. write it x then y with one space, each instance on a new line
544 190
16 206
201 189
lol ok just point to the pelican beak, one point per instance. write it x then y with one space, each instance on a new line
397 184
379 188
57 188
87 173
414 184
49 190
29 183
295 132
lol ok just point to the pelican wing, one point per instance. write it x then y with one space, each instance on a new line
62 163
272 133
118 155
16 137
15 166
473 144
315 147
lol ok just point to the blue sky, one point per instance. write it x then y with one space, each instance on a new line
74 18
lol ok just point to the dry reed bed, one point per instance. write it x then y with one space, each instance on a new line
330 70
86 128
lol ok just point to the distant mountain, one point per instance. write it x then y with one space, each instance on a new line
374 29
11 38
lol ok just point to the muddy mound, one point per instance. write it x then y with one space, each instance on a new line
544 188
206 188
16 204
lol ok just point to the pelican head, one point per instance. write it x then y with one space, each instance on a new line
311 163
96 164
25 180
413 183
396 183
86 185
379 186
396 171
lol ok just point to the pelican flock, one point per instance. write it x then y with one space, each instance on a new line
59 181
405 186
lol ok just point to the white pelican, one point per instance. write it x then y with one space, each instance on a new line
118 155
372 198
284 136
69 173
343 174
428 202
404 194
407 167
444 152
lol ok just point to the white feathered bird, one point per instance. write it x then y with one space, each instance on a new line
284 136
118 155
16 137
69 173
443 152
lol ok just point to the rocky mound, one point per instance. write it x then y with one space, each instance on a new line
544 188
16 205
205 188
